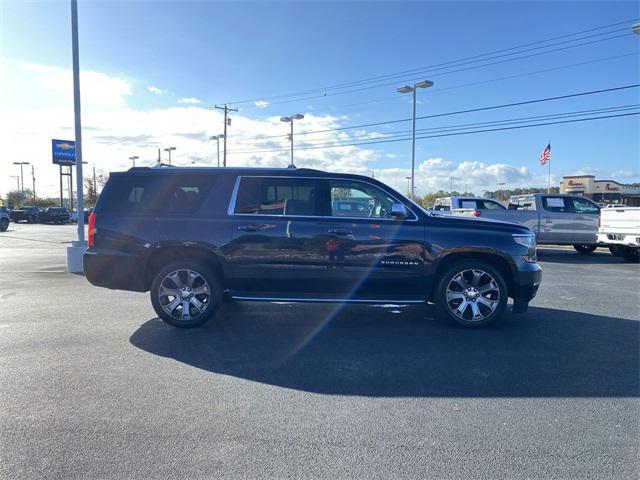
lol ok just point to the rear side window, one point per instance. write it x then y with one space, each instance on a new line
157 195
580 205
276 196
489 205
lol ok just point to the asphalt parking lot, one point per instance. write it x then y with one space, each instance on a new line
92 385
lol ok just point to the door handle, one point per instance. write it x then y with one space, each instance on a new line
249 228
338 231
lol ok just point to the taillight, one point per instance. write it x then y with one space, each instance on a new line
476 213
92 229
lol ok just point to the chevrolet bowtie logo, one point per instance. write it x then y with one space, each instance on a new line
65 146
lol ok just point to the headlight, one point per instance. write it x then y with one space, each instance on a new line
529 241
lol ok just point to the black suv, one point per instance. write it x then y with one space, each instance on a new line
197 236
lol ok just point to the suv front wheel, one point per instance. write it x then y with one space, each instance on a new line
186 294
472 293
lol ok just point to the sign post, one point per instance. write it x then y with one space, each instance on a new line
63 153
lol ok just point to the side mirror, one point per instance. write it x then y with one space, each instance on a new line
399 211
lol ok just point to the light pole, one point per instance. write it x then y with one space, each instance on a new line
290 119
500 188
133 159
17 177
412 89
169 149
408 186
21 174
217 139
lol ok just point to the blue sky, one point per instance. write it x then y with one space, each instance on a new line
224 51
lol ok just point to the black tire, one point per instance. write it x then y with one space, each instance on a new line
585 249
4 224
630 254
162 302
615 250
445 307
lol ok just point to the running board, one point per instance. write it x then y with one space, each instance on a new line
247 298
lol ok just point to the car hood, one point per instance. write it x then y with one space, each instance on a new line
480 224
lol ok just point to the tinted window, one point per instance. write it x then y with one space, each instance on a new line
554 204
157 195
468 204
276 196
580 205
489 205
358 199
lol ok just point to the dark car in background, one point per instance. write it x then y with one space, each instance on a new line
195 236
4 218
28 213
54 215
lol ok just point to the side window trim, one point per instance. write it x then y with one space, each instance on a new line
231 210
414 217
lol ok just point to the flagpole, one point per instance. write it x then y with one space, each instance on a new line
549 171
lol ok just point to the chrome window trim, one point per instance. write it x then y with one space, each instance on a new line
234 198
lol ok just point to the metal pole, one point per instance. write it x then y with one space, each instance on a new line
218 142
451 189
169 156
33 181
95 185
21 179
61 200
77 121
413 146
292 164
224 162
71 187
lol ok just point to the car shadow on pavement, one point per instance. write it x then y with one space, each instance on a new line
599 257
361 350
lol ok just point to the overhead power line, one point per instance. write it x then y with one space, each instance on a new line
449 64
467 126
517 127
458 112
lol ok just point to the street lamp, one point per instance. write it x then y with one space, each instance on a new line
217 139
500 188
169 149
21 174
290 119
408 186
133 159
412 89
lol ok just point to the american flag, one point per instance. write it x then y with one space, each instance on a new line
546 155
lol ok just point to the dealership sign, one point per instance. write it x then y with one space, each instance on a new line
64 152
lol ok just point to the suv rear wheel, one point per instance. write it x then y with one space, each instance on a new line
4 224
186 294
472 293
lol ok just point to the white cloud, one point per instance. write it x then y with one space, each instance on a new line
261 104
112 132
156 91
190 100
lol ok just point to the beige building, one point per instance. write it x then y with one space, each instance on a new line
602 191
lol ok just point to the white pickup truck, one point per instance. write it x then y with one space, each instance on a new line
620 231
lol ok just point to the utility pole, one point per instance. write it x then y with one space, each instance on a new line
227 121
33 181
21 174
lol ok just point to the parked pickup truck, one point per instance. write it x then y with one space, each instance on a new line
4 219
467 206
54 215
620 230
555 219
29 214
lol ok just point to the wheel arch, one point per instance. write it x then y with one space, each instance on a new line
499 262
163 255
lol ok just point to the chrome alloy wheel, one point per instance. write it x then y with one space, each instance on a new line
184 294
472 295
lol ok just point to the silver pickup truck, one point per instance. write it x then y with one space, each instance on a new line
555 219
